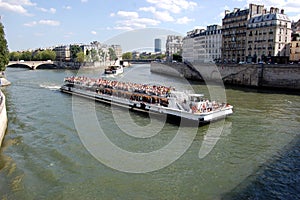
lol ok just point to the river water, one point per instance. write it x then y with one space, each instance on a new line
45 155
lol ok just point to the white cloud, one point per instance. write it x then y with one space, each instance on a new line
128 14
43 22
67 7
184 20
148 9
125 28
163 16
112 14
49 22
51 10
175 6
14 8
17 6
30 24
20 2
94 32
160 15
295 17
84 1
135 23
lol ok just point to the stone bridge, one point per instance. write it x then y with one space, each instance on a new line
30 64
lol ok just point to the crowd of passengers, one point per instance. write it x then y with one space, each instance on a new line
139 92
161 91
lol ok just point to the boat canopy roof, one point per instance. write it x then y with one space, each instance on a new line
196 95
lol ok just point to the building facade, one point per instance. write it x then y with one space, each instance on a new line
173 46
118 50
254 35
234 28
203 45
214 43
269 37
62 53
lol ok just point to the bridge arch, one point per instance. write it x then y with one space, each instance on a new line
33 64
19 65
46 66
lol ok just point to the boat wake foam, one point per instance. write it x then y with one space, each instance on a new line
50 87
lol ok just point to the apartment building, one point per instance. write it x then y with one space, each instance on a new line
255 34
214 42
203 45
173 46
295 43
62 53
269 37
118 50
234 28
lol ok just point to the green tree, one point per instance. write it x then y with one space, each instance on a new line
14 56
37 56
177 57
4 54
127 56
80 57
74 50
48 55
26 55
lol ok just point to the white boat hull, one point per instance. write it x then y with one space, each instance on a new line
149 107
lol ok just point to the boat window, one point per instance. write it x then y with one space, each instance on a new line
195 99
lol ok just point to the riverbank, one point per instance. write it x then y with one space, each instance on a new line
3 117
249 75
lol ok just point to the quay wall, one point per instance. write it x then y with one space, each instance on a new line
3 117
254 75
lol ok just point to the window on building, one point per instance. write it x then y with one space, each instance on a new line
297 44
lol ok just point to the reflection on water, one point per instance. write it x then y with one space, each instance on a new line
43 157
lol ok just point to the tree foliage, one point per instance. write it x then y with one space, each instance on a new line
74 50
4 53
127 56
14 56
44 55
26 55
177 57
80 57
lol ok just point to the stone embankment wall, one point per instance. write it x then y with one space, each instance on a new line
3 117
256 75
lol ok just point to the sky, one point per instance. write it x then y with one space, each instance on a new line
134 24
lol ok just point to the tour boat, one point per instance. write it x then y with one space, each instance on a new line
150 98
113 70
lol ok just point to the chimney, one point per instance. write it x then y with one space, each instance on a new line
227 12
235 10
264 11
282 11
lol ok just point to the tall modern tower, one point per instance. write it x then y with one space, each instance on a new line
157 45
